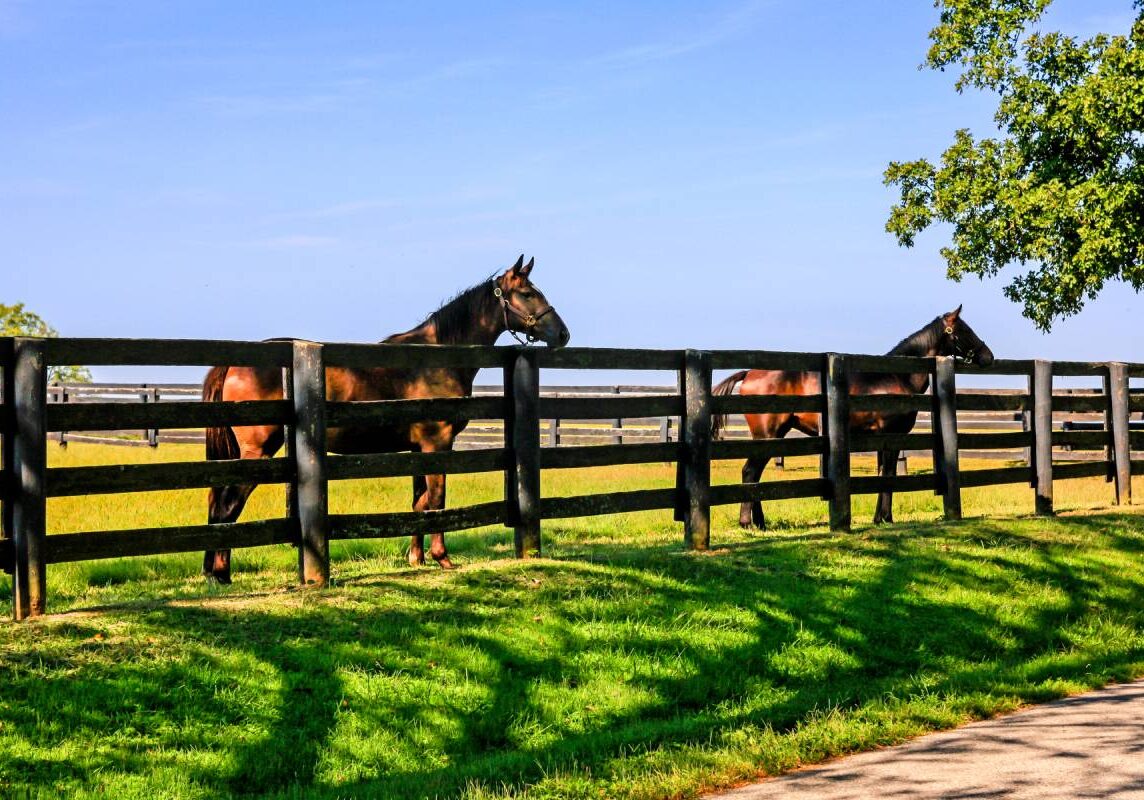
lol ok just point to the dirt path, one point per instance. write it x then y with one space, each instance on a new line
1087 746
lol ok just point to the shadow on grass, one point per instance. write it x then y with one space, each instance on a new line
415 685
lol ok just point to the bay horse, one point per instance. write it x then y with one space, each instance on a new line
947 335
478 315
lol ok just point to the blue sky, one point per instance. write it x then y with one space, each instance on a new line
686 174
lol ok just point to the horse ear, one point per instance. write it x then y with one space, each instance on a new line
952 315
528 267
519 263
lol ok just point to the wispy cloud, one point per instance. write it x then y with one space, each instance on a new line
736 21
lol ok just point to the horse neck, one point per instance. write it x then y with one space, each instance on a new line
922 343
472 317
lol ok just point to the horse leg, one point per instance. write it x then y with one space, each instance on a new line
417 541
225 503
751 511
887 468
432 500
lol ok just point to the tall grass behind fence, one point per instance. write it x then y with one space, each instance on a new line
519 408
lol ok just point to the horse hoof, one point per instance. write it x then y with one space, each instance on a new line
221 578
416 559
444 562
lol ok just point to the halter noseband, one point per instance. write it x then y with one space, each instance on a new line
530 321
965 356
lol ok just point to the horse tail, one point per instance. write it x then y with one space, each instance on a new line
719 421
221 443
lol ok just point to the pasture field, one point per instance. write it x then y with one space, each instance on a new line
617 666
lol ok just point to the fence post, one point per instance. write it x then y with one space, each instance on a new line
311 492
526 452
1043 435
153 433
837 384
617 424
7 440
696 455
63 398
1118 431
29 465
945 390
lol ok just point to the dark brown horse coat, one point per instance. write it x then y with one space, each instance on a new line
479 315
947 335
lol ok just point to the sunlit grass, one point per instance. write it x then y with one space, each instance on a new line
617 666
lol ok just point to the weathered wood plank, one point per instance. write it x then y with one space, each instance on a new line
168 352
404 412
403 356
994 441
768 448
767 360
996 476
872 442
1000 366
892 365
1075 368
120 478
768 404
890 403
608 455
729 493
576 408
1081 440
611 503
972 401
406 523
1079 403
389 465
178 414
1080 469
608 358
874 484
66 547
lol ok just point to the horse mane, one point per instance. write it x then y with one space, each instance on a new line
920 342
455 320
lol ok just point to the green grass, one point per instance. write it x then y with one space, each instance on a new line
618 666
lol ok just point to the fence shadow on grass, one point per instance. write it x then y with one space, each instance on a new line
414 686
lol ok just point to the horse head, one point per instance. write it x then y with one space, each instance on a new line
959 340
526 309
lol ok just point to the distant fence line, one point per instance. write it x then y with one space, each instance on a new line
27 419
560 432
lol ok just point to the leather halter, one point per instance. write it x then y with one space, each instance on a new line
965 356
530 321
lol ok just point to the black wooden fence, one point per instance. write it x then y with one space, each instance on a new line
27 419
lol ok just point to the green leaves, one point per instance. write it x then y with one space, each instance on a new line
1060 190
16 320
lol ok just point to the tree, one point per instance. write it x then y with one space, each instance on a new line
1061 188
18 321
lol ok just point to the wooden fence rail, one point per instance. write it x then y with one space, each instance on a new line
27 420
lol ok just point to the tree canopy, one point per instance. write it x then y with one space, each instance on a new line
16 320
1060 189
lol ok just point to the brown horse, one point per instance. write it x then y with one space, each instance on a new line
947 335
508 301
